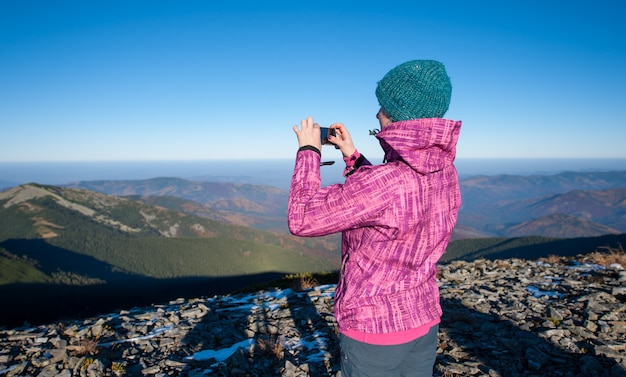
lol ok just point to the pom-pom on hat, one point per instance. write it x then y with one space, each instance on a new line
415 89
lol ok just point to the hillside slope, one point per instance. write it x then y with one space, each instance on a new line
263 207
105 237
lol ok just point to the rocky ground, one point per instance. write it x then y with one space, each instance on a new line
502 318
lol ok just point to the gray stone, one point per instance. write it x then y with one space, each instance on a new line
569 326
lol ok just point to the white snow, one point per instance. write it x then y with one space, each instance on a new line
221 354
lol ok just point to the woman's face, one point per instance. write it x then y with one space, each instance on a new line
383 118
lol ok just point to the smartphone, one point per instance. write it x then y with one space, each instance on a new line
325 131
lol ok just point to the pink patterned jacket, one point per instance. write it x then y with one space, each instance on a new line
396 221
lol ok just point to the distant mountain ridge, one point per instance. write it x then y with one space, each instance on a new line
572 214
607 207
479 190
263 207
584 204
591 203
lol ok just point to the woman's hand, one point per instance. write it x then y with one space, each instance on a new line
309 134
342 139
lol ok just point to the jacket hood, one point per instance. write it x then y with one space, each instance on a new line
427 144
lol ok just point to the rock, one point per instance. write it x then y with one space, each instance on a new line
501 318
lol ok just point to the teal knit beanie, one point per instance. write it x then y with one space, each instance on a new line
415 89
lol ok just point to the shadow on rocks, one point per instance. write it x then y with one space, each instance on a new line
472 343
317 330
280 333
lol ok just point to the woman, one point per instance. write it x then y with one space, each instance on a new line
396 221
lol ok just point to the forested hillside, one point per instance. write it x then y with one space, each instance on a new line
58 231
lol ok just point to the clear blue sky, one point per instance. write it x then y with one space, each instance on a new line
188 80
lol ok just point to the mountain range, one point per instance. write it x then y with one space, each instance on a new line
564 205
133 242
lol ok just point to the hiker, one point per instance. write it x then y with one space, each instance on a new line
396 220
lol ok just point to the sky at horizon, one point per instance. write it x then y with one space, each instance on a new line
193 80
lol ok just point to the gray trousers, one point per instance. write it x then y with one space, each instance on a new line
415 358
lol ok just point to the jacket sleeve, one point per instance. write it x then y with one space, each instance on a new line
316 211
354 162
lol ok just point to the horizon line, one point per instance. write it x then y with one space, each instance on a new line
290 159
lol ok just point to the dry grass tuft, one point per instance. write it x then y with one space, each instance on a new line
308 282
302 282
552 259
503 263
85 347
607 255
272 346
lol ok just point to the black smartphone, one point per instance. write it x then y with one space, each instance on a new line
325 131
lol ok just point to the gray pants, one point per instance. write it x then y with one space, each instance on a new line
415 358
